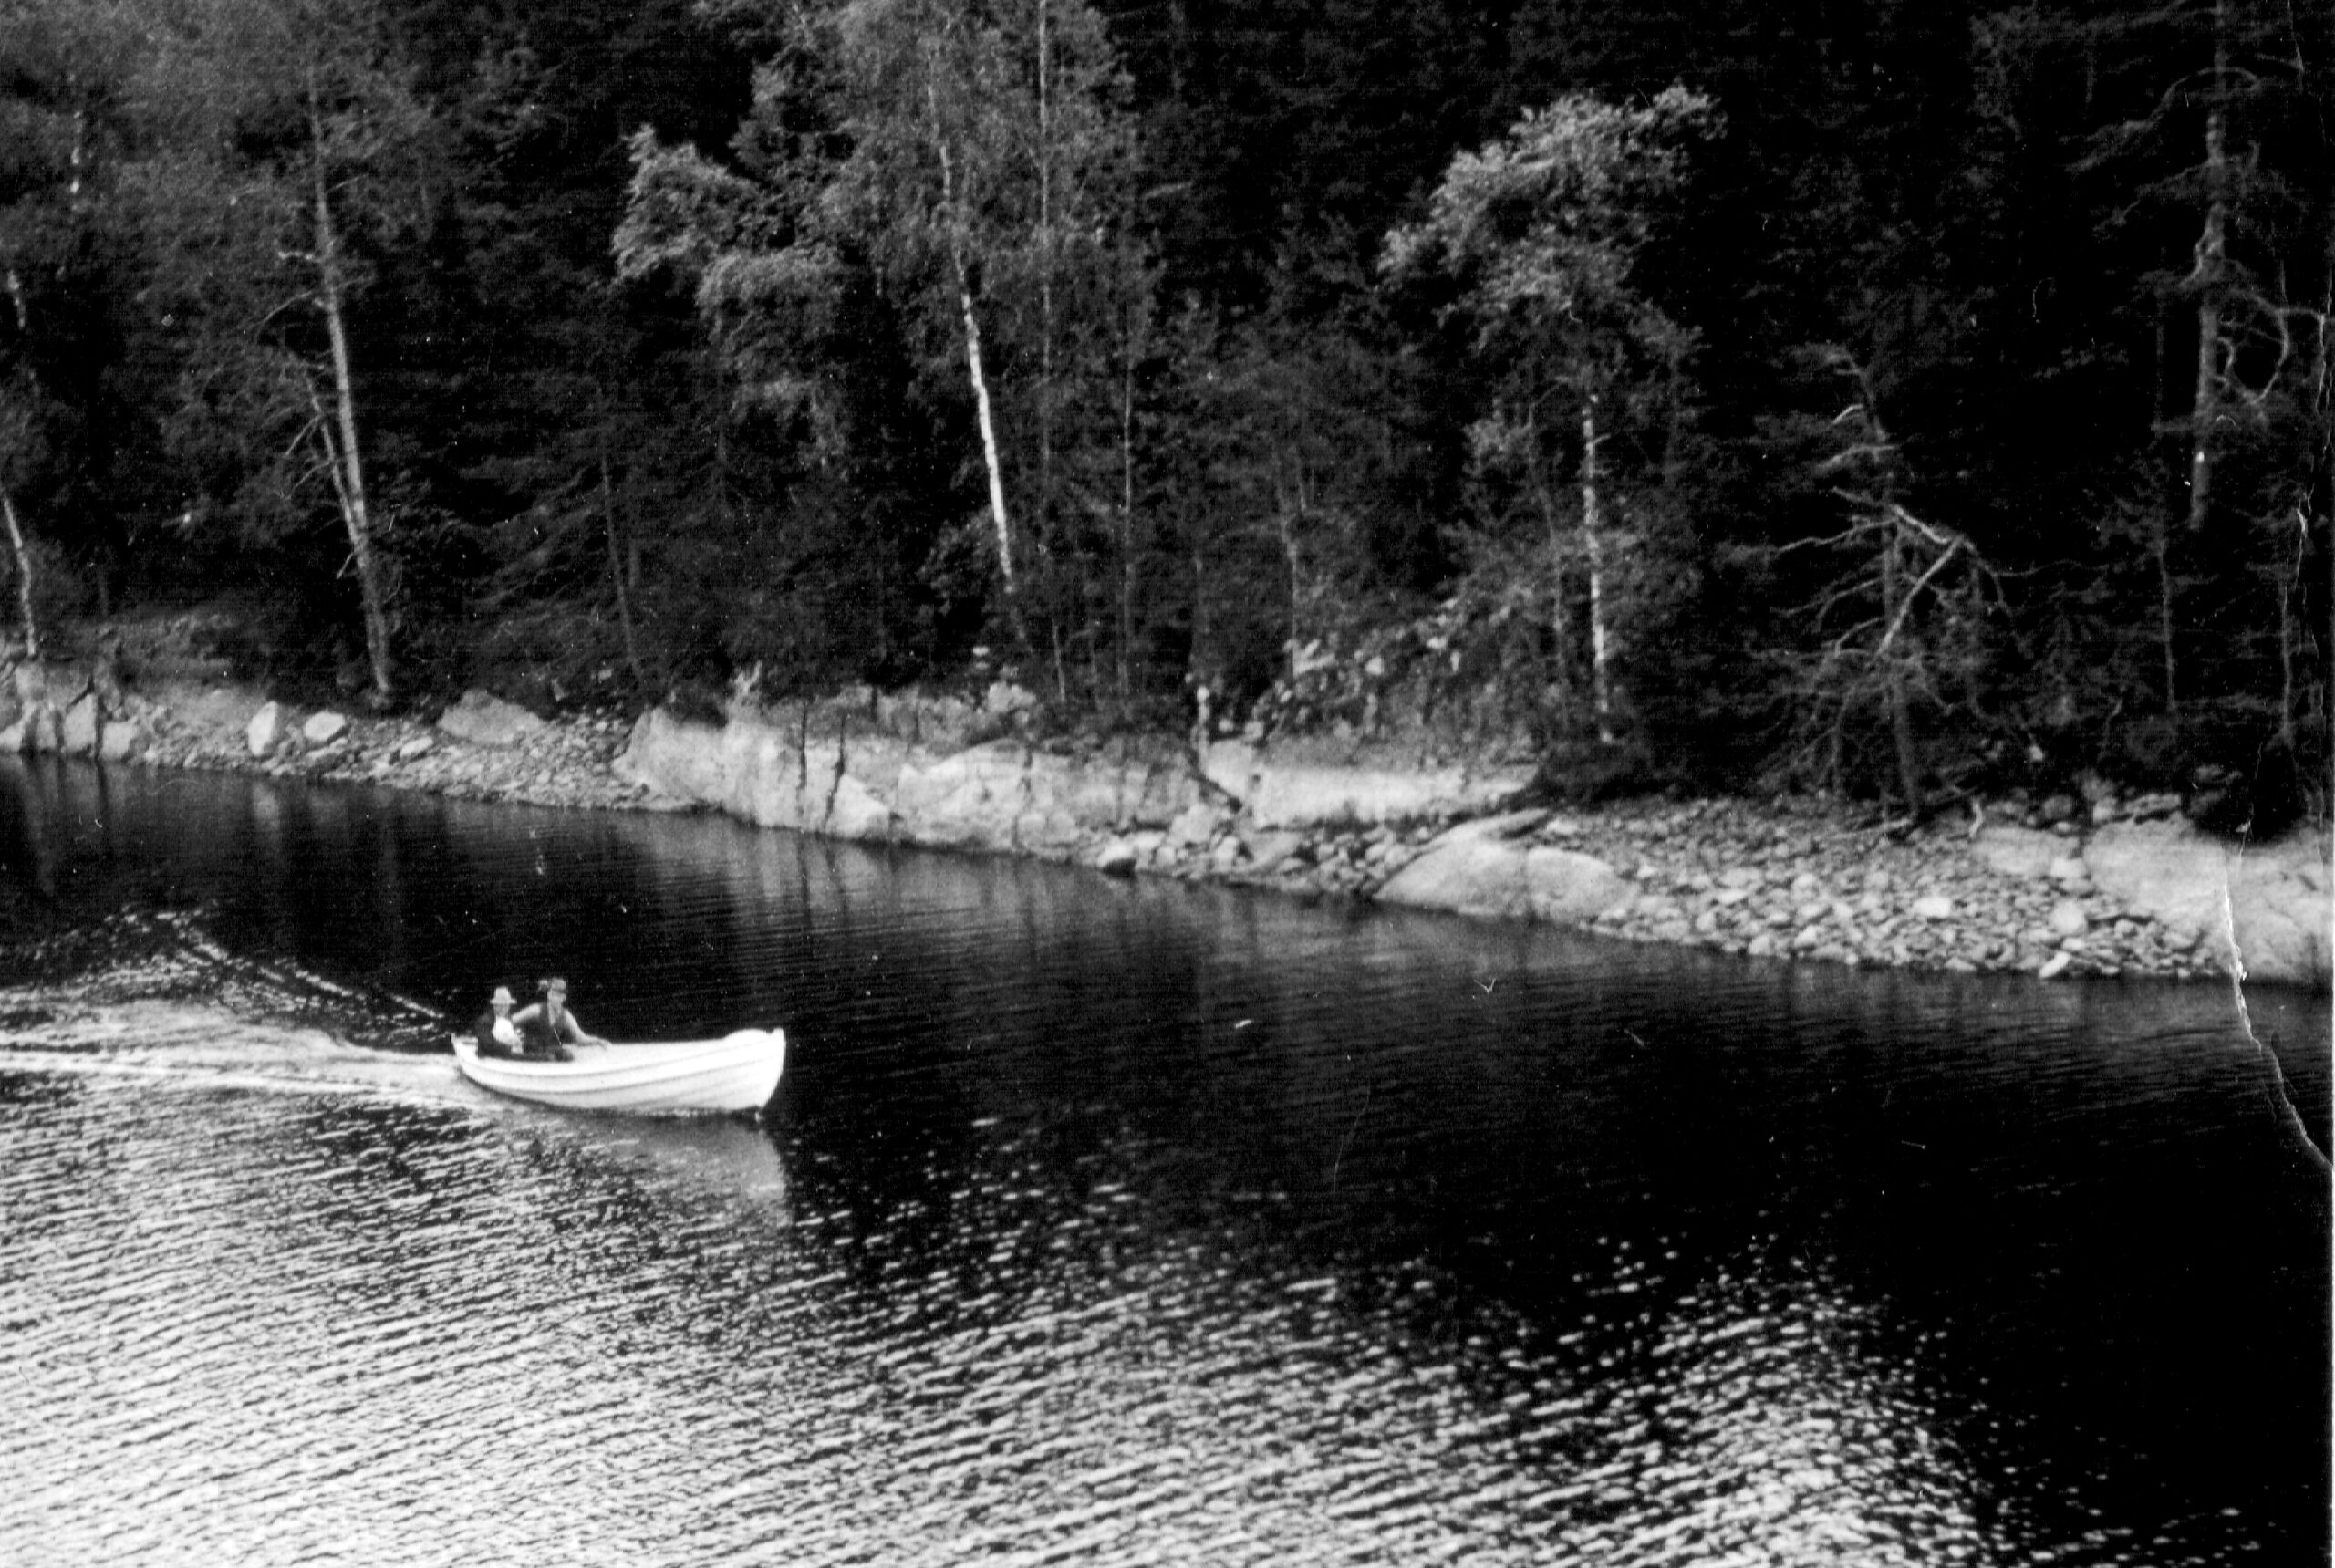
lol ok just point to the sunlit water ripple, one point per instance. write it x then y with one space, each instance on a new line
1102 1225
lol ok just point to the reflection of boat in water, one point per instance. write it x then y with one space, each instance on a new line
710 1155
739 1072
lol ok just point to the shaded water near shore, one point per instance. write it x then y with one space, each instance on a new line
1099 1222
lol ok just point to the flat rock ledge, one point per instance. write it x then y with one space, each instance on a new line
2126 889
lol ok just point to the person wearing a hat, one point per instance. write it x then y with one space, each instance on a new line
496 1032
548 1028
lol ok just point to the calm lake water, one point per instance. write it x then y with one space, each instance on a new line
1099 1223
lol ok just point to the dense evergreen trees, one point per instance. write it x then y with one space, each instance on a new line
1873 396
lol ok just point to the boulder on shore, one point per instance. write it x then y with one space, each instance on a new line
2267 906
121 742
2009 850
78 737
1492 868
265 731
485 720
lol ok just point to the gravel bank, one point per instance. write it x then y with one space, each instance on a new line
1773 881
1786 879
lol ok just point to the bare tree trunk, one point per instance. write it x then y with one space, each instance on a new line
1896 597
1041 518
77 163
1894 603
2161 536
349 470
990 459
2209 274
8 502
2290 587
1601 675
1288 504
1126 518
1196 659
1092 594
2296 640
1673 424
23 574
615 560
984 414
1559 612
2164 614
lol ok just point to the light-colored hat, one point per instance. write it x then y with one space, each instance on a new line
502 997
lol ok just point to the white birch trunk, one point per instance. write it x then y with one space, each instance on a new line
988 423
349 470
1601 677
983 412
8 502
23 574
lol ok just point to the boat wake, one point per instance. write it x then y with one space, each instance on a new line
170 955
152 995
197 1046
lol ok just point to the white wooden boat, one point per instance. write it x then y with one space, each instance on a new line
739 1072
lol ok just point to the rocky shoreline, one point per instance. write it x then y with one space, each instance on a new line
498 754
1793 879
2051 888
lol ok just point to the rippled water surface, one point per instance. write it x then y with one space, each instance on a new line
1099 1223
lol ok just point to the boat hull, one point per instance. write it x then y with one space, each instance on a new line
739 1072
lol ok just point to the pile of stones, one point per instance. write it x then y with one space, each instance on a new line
1206 846
1798 881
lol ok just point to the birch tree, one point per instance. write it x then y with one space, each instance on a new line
1539 233
288 148
969 158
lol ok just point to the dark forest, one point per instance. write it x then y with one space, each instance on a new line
1887 400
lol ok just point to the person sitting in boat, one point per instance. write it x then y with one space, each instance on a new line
496 1033
548 1028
